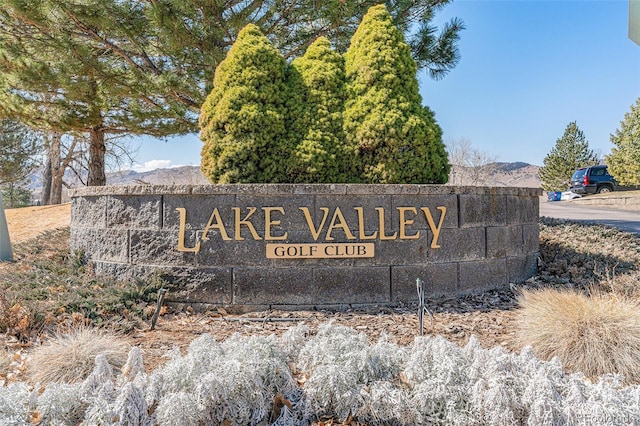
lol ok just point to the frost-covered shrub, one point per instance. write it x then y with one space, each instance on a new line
293 340
248 381
14 403
438 371
236 380
340 365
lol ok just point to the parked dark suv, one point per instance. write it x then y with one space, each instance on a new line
592 180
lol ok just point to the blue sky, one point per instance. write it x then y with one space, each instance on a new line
527 69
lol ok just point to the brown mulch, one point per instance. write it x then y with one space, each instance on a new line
489 317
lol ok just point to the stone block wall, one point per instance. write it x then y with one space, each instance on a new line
210 243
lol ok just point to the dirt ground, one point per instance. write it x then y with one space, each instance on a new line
489 316
29 222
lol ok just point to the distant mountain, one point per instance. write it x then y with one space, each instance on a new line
185 175
495 174
509 167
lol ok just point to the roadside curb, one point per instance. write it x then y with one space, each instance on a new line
618 202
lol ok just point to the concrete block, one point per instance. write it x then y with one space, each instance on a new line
292 219
521 268
206 285
482 210
89 212
256 286
349 285
198 209
134 212
405 252
440 280
531 238
430 201
522 209
216 252
347 206
481 275
458 244
110 245
504 241
160 248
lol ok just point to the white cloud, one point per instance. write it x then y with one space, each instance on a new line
152 165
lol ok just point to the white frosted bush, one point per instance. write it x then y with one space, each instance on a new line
178 409
438 371
133 368
293 340
339 364
236 380
100 380
14 403
61 404
239 381
385 403
182 373
130 407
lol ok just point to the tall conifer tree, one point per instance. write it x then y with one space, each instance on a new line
69 67
384 119
570 152
624 160
243 118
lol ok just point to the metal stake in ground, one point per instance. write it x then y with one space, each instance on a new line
6 254
421 305
154 318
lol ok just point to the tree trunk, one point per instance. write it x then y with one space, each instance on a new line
97 150
57 173
46 180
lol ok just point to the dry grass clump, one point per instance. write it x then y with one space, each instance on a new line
596 334
69 358
626 285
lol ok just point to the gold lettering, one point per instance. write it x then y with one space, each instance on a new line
245 222
405 222
361 233
183 225
268 223
381 221
215 222
315 232
436 230
319 250
337 214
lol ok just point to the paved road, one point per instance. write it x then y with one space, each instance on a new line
626 220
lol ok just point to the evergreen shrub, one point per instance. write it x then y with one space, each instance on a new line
242 120
324 118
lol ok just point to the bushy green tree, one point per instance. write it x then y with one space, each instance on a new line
243 118
15 195
624 160
384 119
317 100
570 152
19 147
